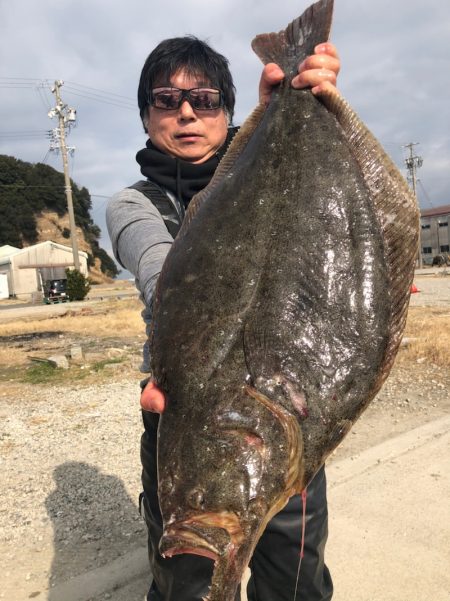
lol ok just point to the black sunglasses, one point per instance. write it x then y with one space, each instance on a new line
200 99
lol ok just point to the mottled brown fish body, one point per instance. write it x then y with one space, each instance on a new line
279 312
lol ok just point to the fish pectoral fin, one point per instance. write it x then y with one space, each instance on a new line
296 396
289 394
267 375
396 211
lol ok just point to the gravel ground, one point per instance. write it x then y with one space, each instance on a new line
434 287
70 470
70 480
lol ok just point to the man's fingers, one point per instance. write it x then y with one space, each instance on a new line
321 67
270 77
152 399
326 48
313 77
316 71
320 61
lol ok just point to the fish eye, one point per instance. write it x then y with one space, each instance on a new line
197 499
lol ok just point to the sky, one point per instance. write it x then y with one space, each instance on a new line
395 74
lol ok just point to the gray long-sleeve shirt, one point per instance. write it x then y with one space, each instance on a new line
140 242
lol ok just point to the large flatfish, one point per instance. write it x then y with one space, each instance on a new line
279 311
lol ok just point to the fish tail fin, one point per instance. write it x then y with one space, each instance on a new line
289 47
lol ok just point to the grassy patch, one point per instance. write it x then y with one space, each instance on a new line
108 325
99 365
43 373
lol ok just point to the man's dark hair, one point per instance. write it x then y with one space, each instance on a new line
196 58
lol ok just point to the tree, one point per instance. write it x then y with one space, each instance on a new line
26 190
77 285
107 265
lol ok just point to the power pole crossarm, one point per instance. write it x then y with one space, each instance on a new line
66 117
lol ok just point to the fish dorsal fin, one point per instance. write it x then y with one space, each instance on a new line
235 149
395 206
289 47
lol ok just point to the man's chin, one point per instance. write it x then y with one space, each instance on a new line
193 153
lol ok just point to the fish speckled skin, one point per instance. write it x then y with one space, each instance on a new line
278 314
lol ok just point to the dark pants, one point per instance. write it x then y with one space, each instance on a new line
275 561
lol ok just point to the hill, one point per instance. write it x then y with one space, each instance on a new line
33 208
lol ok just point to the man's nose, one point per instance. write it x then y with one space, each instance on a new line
186 111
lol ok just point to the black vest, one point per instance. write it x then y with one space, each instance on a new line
171 209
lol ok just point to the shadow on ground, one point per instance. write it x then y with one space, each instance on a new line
94 522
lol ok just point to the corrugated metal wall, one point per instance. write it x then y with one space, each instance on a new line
36 264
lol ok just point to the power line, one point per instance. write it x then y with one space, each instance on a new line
50 187
20 185
119 96
25 134
101 207
40 91
103 100
419 181
17 85
74 88
19 78
46 156
98 95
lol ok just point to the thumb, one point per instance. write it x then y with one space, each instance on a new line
271 76
152 398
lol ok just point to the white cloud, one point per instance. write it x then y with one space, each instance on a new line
395 65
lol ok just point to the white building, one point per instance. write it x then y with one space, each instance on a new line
28 269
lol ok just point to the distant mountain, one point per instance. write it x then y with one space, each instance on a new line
33 208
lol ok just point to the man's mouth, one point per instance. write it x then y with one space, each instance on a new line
187 136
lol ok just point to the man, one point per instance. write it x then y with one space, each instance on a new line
186 101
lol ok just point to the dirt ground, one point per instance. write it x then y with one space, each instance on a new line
69 463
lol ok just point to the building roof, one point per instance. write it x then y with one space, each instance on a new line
8 251
436 211
16 251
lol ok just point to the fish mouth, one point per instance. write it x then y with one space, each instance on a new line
183 540
211 535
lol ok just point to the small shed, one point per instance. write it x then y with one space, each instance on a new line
29 268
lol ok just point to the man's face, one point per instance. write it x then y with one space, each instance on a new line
190 135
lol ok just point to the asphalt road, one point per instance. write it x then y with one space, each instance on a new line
15 312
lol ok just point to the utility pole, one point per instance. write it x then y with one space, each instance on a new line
66 117
413 163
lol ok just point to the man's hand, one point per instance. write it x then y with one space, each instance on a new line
152 399
318 71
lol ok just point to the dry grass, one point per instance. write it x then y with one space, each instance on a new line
10 356
109 325
428 336
110 318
